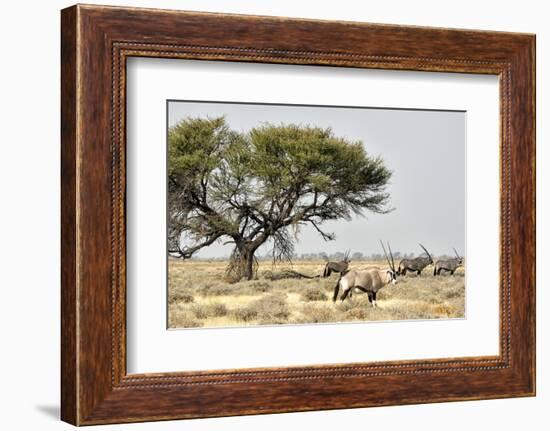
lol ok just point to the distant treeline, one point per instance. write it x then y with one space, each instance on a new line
356 256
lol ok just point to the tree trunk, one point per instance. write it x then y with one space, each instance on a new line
242 263
248 264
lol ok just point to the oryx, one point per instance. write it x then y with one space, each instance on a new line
449 265
366 280
339 267
415 265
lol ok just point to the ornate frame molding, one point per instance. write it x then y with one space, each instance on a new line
96 41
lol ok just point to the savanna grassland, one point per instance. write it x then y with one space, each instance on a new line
199 296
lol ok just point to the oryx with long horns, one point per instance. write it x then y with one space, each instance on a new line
449 265
415 265
339 267
369 281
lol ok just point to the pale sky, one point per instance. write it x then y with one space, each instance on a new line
425 150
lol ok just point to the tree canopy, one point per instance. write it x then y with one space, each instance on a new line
247 188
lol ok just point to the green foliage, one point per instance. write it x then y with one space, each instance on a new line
249 187
312 162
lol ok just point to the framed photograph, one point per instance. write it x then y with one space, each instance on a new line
264 214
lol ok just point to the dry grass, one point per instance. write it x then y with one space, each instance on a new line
199 296
313 294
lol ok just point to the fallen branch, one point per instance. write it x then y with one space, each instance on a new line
289 274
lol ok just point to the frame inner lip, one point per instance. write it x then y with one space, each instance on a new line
180 52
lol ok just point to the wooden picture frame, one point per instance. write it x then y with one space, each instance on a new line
95 43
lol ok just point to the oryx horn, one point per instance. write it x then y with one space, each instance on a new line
391 255
386 254
346 255
424 248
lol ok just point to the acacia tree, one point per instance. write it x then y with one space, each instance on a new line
248 188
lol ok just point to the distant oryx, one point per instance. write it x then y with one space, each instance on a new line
366 280
340 267
449 265
415 265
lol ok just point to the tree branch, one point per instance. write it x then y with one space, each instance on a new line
188 252
324 235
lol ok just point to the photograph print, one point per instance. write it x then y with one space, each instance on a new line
296 214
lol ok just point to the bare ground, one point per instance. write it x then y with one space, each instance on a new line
199 296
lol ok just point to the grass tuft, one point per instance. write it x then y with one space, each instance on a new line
313 294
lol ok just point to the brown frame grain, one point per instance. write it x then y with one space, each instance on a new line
95 43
